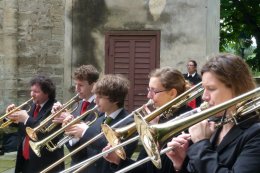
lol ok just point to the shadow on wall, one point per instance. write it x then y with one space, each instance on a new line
87 16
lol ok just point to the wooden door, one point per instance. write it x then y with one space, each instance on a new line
133 54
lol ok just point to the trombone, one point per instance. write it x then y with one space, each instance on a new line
89 161
151 135
8 122
45 125
149 103
36 146
114 136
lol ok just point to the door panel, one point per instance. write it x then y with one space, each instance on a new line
133 54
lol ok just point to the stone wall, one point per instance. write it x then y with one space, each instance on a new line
189 29
32 33
56 36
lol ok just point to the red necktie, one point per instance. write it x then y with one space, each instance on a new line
84 107
26 153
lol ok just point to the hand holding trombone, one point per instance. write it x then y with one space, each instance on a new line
154 135
115 136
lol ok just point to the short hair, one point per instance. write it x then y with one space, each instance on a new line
114 86
232 71
46 84
86 72
170 78
194 62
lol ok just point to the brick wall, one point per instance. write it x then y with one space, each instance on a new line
32 33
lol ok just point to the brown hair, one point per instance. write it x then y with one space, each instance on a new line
170 78
86 72
194 62
46 84
114 86
232 71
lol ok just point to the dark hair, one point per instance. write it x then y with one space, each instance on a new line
114 86
46 85
86 72
194 62
232 71
170 78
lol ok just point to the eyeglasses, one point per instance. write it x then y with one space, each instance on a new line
154 92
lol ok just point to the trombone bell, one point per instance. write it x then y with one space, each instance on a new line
113 140
157 134
147 136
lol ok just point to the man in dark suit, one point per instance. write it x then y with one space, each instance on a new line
110 91
194 78
84 77
43 94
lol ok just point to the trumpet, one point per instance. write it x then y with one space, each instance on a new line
36 146
8 122
114 136
149 103
46 125
158 134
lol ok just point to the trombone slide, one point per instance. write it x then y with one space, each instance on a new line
92 140
160 133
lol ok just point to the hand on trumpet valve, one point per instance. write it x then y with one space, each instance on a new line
64 118
18 116
202 130
10 108
56 107
180 146
76 130
111 157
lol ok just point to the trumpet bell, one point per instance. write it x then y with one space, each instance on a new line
31 133
113 140
35 147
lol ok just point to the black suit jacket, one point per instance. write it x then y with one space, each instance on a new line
35 163
101 165
77 111
238 152
194 81
148 167
82 154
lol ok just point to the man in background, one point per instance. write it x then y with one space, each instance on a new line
194 78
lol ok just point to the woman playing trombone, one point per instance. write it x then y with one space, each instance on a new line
165 84
230 148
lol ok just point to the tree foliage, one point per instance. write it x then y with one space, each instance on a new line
240 22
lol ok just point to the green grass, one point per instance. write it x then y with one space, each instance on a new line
7 161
